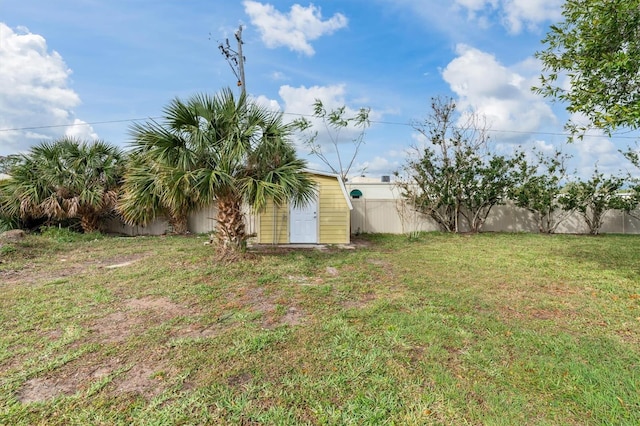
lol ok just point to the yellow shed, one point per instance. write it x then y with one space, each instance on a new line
324 220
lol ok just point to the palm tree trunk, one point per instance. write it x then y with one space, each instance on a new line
179 223
230 235
90 222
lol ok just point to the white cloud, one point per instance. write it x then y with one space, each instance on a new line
515 14
518 13
544 147
264 101
300 100
376 167
34 90
593 150
81 130
476 5
598 152
497 92
278 76
295 29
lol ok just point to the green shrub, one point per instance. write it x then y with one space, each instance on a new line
67 235
7 249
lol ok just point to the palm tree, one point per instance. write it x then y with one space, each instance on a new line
213 149
64 179
151 189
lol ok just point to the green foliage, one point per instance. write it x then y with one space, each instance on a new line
7 222
595 197
6 249
455 177
597 47
212 148
64 179
7 162
334 122
67 235
538 189
633 155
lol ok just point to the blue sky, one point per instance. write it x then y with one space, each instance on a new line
100 64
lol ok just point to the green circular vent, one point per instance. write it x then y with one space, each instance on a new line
355 193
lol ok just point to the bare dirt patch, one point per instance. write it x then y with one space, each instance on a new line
9 276
68 380
43 389
362 302
134 317
240 380
259 301
529 313
306 281
160 305
294 316
65 265
268 306
196 331
121 261
331 271
360 241
12 236
78 376
141 379
33 274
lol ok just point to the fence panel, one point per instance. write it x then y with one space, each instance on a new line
397 217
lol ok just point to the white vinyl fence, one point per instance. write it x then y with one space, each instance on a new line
398 217
200 222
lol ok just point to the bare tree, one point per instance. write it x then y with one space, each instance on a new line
334 122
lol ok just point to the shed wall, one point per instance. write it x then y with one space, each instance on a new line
274 224
334 213
333 216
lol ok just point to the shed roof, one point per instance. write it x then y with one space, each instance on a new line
345 194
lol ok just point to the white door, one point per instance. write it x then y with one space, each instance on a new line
303 223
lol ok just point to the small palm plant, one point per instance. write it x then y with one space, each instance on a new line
212 149
64 179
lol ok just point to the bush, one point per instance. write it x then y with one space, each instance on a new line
67 235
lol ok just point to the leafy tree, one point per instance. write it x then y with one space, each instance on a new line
595 197
6 162
538 189
455 177
633 155
597 46
141 196
7 221
213 149
64 179
335 121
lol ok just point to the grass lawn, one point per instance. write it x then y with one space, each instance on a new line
495 329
